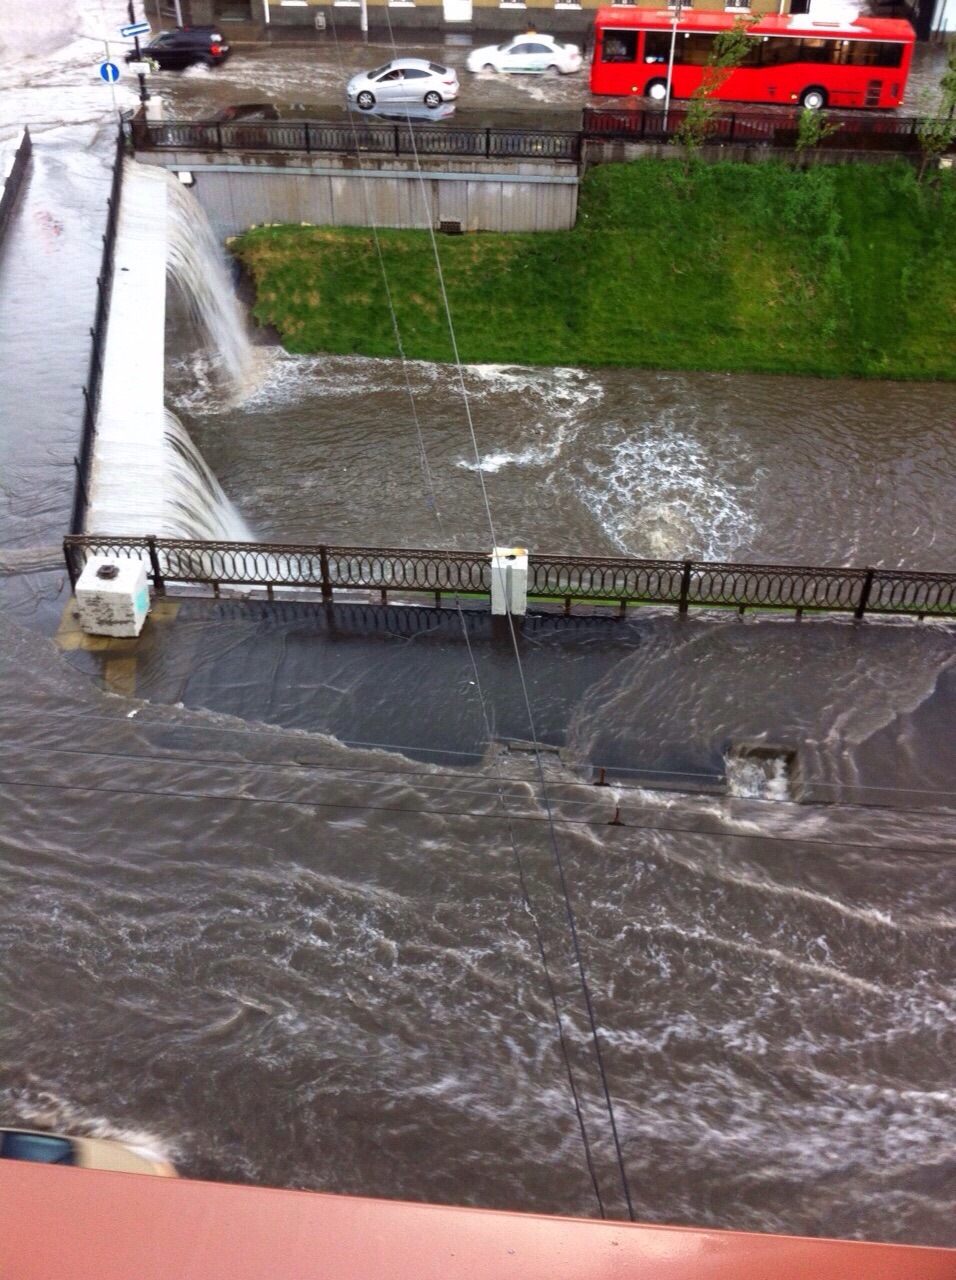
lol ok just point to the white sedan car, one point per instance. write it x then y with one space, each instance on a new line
404 80
527 53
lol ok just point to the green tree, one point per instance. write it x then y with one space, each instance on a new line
812 129
730 51
936 128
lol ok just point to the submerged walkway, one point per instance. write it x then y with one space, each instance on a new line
48 266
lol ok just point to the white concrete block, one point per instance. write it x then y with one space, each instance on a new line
509 581
112 596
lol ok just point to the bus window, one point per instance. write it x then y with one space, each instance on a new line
619 46
695 49
657 47
814 50
874 53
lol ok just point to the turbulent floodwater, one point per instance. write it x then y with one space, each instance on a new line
275 958
324 976
601 461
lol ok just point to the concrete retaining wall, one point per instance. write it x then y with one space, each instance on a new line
242 191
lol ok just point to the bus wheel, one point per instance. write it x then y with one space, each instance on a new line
813 99
656 90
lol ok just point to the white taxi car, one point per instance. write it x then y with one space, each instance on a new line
530 53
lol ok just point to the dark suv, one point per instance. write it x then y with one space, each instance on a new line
173 50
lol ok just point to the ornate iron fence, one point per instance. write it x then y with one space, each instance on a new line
83 460
776 127
559 579
357 137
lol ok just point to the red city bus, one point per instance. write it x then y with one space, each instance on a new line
794 58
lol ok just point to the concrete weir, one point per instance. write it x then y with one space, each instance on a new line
147 477
127 459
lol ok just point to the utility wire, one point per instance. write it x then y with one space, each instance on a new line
494 542
464 626
355 806
281 735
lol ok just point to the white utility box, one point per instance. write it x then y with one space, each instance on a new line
112 596
509 581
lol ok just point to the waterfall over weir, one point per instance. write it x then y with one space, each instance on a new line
147 475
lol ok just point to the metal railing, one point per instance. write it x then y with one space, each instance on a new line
564 580
83 460
317 137
776 127
13 177
772 127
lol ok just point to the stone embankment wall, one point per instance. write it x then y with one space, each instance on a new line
242 191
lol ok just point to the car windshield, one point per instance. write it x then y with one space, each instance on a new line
378 71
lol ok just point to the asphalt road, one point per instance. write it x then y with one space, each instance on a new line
315 76
301 77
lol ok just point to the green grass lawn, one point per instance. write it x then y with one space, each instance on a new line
834 270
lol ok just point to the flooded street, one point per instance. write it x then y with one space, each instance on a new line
274 907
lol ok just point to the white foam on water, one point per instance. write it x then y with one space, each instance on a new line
755 780
663 491
559 395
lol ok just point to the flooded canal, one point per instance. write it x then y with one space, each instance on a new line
278 958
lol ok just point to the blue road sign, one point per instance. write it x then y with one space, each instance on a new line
109 72
135 29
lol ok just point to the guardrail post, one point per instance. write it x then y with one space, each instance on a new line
685 585
70 564
308 143
324 568
860 609
487 143
159 582
219 137
733 121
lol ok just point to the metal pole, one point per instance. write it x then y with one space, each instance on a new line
106 46
267 13
363 19
670 62
179 12
143 95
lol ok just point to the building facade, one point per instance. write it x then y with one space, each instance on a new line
565 17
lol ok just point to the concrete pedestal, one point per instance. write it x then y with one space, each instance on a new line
112 596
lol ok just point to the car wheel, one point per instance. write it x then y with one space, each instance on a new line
366 100
488 67
656 90
814 99
432 99
554 70
208 62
